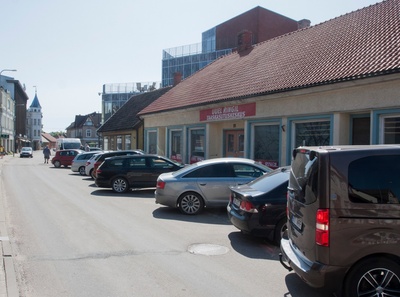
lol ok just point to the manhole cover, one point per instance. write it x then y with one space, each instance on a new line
207 249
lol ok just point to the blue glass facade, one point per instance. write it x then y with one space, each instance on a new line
190 58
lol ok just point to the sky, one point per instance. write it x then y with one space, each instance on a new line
67 50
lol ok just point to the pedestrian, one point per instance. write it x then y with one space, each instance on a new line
1 151
47 154
87 148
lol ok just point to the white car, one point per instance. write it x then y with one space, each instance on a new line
79 162
26 151
90 164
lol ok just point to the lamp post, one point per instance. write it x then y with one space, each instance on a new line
1 108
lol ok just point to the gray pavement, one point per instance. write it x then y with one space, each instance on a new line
8 280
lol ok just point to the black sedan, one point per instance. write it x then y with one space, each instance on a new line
134 171
259 207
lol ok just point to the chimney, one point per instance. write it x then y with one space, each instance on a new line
304 23
245 39
177 78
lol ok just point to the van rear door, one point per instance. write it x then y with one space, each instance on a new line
303 201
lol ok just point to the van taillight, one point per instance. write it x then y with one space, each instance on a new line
322 227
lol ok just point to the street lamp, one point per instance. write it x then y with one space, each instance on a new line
1 107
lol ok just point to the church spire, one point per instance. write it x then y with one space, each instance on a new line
35 102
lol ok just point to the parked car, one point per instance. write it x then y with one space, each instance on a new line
79 162
27 152
122 173
90 164
113 154
205 183
344 219
64 157
259 207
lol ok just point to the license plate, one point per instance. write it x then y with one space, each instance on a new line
297 222
236 202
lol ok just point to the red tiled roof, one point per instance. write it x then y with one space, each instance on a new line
356 45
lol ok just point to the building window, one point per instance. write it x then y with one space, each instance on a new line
105 143
391 130
88 133
266 144
176 145
128 142
361 130
119 142
151 146
315 133
197 145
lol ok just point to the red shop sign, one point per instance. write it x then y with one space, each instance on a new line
232 112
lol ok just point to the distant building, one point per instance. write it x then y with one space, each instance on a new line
84 127
117 94
220 40
34 123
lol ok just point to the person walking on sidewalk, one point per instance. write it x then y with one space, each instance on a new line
46 153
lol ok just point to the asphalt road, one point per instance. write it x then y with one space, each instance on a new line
70 238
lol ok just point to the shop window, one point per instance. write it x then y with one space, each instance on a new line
391 133
127 142
266 145
361 130
176 145
152 142
197 145
312 133
119 142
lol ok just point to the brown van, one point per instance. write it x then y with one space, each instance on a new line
344 219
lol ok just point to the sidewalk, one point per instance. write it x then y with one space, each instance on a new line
8 280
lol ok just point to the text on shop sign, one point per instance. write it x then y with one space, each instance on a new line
228 112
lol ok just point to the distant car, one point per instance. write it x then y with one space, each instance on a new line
113 154
65 157
259 207
122 173
79 162
205 183
92 148
26 152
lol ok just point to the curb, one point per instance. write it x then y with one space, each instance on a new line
10 279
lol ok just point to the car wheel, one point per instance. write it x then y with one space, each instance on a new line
120 185
280 228
82 170
191 203
57 164
373 277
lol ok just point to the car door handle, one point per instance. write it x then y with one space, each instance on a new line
203 184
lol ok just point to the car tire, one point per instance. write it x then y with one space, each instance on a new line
374 275
120 185
82 170
57 164
191 203
280 228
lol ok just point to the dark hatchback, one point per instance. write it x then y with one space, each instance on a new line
135 171
113 154
259 207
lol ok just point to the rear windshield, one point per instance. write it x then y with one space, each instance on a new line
303 180
375 179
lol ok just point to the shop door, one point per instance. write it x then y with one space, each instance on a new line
234 143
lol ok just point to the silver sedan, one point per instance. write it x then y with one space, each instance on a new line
206 183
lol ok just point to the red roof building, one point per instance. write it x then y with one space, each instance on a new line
334 83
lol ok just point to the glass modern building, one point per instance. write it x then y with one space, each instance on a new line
223 39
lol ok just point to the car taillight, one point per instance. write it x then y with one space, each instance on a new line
98 171
322 227
248 206
161 184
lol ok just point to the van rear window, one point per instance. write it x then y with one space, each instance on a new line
303 181
375 179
